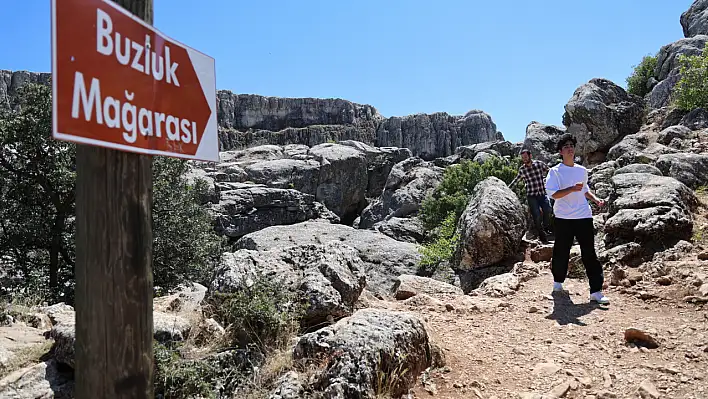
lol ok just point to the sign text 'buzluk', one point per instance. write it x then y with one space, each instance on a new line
118 83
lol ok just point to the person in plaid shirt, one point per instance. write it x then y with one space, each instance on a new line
534 174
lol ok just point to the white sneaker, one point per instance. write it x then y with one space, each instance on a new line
557 287
599 298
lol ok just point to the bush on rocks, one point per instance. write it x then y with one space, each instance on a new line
637 82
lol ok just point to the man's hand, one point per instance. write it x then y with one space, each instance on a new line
576 187
600 202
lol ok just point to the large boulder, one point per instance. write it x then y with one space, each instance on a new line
402 229
361 349
694 21
496 148
298 174
490 227
668 68
246 208
328 277
384 258
648 209
599 114
343 179
379 161
667 60
689 169
667 135
408 184
436 135
541 139
336 175
44 380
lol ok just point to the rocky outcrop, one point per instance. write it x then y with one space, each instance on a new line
245 208
44 380
689 169
327 277
652 210
248 111
490 227
361 349
541 139
694 21
379 162
335 175
436 135
11 82
667 68
599 114
667 60
384 258
480 152
409 229
408 184
408 286
248 120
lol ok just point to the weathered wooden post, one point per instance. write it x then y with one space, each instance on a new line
123 92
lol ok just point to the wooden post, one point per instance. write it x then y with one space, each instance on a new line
114 324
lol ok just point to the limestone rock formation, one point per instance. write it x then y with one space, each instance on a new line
245 208
11 81
694 21
541 139
653 210
408 184
667 68
490 227
364 346
599 114
436 135
328 277
384 258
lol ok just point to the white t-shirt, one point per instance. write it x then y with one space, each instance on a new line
573 205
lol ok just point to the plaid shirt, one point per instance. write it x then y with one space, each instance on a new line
534 176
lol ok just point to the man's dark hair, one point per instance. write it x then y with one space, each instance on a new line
565 139
526 151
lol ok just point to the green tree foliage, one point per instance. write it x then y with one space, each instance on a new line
453 193
637 81
37 188
691 91
442 248
441 211
37 211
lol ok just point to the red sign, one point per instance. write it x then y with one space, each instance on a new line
119 83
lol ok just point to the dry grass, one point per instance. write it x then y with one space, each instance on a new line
25 357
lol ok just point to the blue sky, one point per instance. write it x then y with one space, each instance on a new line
517 60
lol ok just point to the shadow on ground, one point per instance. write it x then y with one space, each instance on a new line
565 311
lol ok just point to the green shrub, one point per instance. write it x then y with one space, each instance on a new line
691 91
441 211
263 316
637 81
442 247
453 193
179 378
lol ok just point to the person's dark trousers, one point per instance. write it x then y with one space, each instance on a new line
536 204
583 230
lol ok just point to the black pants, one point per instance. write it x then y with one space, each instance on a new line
583 230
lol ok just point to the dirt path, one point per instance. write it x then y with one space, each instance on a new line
530 344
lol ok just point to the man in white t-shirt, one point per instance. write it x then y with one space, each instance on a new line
567 184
